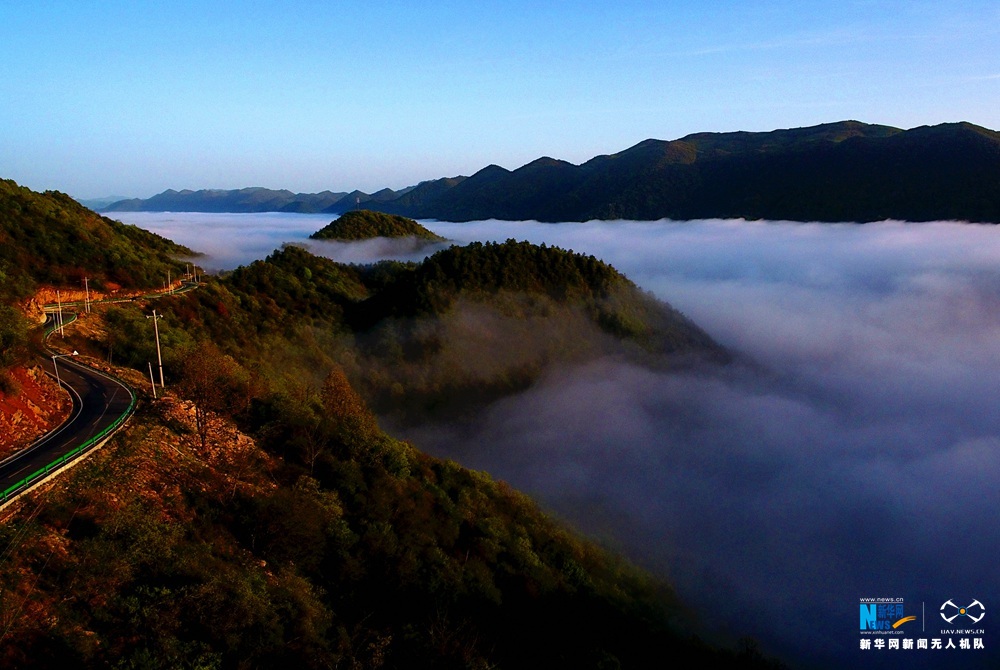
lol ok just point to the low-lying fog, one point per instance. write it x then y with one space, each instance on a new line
229 240
865 462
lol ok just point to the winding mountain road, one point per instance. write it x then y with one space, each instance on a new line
101 404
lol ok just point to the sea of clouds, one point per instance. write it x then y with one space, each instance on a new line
856 456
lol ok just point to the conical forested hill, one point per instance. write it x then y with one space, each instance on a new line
365 224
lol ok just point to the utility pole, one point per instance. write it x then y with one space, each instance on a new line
59 301
56 367
156 329
151 380
86 286
168 280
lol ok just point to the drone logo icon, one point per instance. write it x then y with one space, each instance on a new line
974 610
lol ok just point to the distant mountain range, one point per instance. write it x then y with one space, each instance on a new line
98 204
845 171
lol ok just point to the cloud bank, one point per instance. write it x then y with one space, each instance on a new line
229 240
862 460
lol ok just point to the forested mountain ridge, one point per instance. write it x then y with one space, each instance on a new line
471 324
465 326
844 171
312 538
482 270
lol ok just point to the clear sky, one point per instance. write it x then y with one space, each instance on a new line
126 98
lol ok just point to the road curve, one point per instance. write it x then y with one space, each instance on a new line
101 404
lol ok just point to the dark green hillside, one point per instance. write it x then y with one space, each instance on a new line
483 270
292 287
365 224
470 324
464 327
333 546
49 238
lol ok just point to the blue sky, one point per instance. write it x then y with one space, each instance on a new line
102 98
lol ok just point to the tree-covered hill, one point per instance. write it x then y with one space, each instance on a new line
482 271
322 543
50 239
462 328
259 516
366 224
470 324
